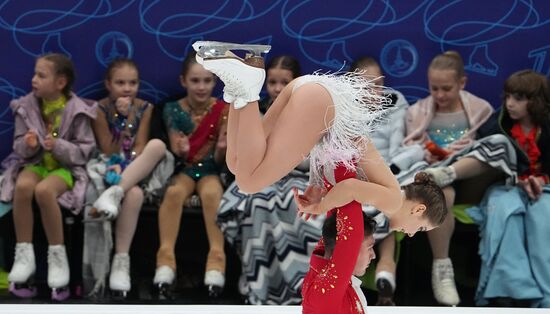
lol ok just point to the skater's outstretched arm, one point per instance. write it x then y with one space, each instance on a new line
381 191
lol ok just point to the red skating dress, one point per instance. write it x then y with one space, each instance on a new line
327 286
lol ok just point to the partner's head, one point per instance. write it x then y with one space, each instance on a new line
366 253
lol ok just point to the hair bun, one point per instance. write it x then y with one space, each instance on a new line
452 53
422 177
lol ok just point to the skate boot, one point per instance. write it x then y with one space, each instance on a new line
163 282
442 176
243 77
443 282
58 272
109 201
22 272
214 280
385 284
119 280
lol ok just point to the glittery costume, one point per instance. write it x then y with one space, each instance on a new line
445 128
420 115
327 287
124 129
202 136
51 113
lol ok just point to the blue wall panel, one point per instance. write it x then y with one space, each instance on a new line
495 38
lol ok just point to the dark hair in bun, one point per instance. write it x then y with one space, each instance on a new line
422 177
425 191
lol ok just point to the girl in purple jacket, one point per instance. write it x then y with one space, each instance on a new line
53 139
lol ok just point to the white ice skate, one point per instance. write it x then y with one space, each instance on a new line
22 271
58 272
243 77
119 280
442 176
443 282
109 201
163 282
214 280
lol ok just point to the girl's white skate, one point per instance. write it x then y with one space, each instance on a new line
58 272
22 272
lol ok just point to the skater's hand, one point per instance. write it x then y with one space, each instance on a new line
459 144
31 139
182 145
537 185
122 105
222 141
532 186
95 213
310 203
429 157
116 168
49 143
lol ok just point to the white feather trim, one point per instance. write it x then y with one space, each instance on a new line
358 109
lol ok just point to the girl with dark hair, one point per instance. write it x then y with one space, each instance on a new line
514 219
196 126
324 262
53 140
127 158
280 71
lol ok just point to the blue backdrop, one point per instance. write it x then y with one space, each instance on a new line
495 38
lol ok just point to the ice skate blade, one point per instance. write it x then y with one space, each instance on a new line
23 290
216 49
214 291
60 294
163 291
119 294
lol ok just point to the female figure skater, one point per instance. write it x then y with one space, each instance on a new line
331 114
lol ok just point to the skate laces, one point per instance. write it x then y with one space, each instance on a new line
56 258
445 273
231 81
443 283
21 256
122 264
